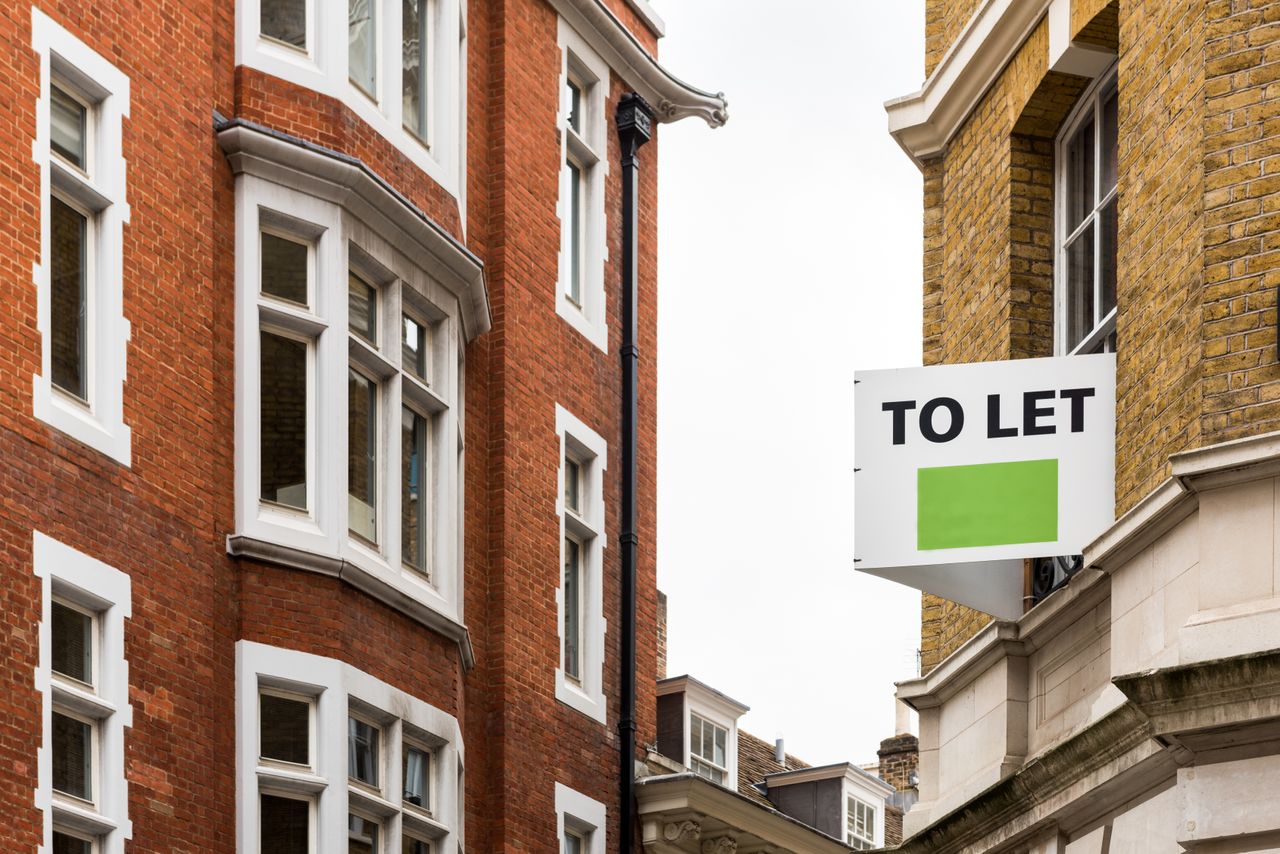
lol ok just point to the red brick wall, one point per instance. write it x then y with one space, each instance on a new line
164 521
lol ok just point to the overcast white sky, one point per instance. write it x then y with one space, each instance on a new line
789 245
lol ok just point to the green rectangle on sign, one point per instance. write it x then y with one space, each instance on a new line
993 504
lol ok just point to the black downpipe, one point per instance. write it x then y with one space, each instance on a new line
635 126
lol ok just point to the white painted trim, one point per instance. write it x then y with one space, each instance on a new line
577 57
592 453
1068 58
925 121
671 98
323 68
720 710
334 685
650 16
322 531
78 578
100 425
583 814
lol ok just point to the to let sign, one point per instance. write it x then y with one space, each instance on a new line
966 470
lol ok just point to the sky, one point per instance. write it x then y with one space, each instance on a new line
789 257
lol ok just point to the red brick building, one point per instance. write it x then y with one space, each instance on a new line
312 410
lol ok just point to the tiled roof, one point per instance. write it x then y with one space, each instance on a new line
755 760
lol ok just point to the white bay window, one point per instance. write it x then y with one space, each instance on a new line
332 760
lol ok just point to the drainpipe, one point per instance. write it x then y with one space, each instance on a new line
635 127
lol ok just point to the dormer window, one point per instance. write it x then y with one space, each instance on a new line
698 727
708 749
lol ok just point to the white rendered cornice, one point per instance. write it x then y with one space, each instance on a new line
924 121
671 98
649 15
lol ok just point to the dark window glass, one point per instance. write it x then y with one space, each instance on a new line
1107 258
1080 165
416 57
572 843
69 234
572 485
415 348
362 303
68 126
409 845
64 844
417 777
362 752
284 268
285 21
575 106
572 608
72 757
573 288
285 825
1110 141
285 726
284 420
362 455
413 490
1080 291
72 637
362 835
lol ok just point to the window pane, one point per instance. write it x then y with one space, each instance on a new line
417 777
414 349
362 455
286 21
409 845
1080 176
362 45
284 268
413 489
72 636
575 106
414 35
572 843
68 124
362 835
573 288
1107 258
285 727
362 752
69 233
572 485
362 304
695 735
572 609
72 757
719 756
1110 141
285 825
63 844
1079 296
284 420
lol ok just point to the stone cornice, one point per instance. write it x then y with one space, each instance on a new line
672 98
1023 802
349 182
924 121
677 798
998 640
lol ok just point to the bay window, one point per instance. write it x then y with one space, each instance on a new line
391 782
1085 258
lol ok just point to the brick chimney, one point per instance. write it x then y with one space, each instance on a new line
899 758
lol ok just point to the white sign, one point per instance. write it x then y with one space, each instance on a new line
966 470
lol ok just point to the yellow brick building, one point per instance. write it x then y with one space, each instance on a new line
1106 176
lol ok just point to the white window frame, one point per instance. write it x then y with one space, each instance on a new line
590 151
583 444
700 700
853 838
586 816
73 577
324 68
859 788
318 537
1089 105
339 689
700 759
100 189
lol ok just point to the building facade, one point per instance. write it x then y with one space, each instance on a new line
1099 176
314 410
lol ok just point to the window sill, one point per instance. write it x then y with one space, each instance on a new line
590 704
55 409
393 591
79 817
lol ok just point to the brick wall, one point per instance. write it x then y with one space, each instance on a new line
899 756
164 521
